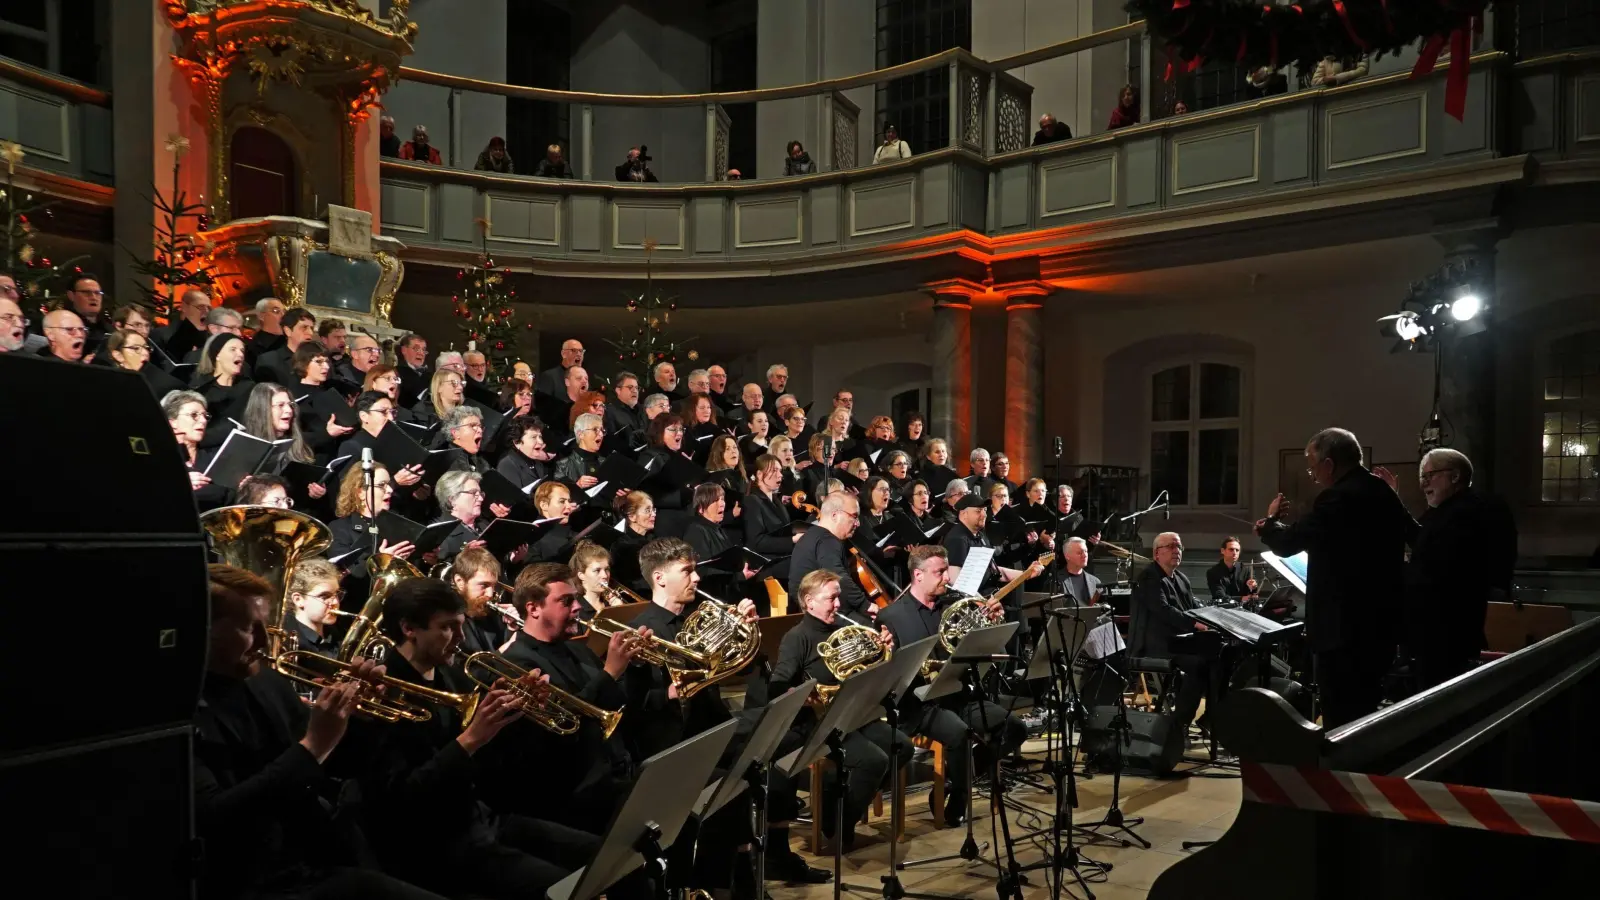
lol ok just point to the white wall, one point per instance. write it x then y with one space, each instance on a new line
458 38
850 47
1007 27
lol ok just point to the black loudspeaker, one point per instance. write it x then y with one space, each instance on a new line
103 567
1153 747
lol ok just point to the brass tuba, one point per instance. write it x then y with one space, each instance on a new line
267 541
552 708
848 652
364 640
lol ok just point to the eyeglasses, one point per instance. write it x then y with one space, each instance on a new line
135 348
470 492
336 596
12 318
91 293
1169 547
1426 474
69 329
386 411
675 430
201 416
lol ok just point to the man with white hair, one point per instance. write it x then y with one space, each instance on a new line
552 380
699 382
778 381
750 401
954 492
1354 535
451 361
719 390
188 329
65 333
823 547
1072 576
1462 556
1158 613
269 329
13 324
655 405
666 378
980 480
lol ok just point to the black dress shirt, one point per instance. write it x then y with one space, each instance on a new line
625 560
654 720
959 541
1463 551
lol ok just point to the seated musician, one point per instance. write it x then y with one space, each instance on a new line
314 597
1158 615
968 533
658 718
596 768
1072 577
1227 580
866 751
949 720
420 795
475 574
823 547
259 756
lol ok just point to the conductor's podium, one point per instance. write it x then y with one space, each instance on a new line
1485 786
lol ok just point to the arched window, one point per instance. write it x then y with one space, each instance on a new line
1570 467
1196 428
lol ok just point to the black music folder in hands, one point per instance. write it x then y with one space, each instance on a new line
243 454
396 449
679 472
909 534
394 528
502 536
301 475
616 472
498 489
733 560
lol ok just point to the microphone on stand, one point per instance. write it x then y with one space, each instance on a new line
371 487
366 462
1056 446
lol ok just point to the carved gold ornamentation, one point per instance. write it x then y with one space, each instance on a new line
388 285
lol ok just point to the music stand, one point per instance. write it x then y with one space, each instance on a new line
651 816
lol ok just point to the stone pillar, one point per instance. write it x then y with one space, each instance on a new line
1024 377
951 416
1467 361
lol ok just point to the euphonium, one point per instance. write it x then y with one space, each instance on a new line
388 699
552 708
848 652
267 541
364 640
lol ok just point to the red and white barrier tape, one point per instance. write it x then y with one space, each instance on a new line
1386 797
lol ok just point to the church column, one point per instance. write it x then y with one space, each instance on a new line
1467 359
1024 376
951 337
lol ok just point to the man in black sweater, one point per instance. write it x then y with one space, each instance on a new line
1158 611
823 547
1354 535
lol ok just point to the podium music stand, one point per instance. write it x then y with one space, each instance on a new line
752 768
650 818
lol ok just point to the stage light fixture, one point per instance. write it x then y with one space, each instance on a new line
1466 306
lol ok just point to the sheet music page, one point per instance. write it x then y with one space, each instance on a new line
973 570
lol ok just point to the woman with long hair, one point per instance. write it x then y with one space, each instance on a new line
592 402
591 565
319 403
446 391
935 468
915 433
725 457
271 414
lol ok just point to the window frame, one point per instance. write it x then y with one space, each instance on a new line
1194 425
1543 406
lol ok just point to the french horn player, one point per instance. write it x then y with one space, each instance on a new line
825 636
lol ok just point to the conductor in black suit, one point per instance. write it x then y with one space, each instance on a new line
1158 611
1355 535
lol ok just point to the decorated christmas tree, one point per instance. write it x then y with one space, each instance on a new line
484 306
38 278
649 343
176 262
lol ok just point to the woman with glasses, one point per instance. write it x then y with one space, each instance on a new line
666 436
590 402
525 461
314 598
582 465
897 469
516 398
355 530
265 490
462 429
795 425
130 350
460 497
446 391
220 379
186 414
638 514
919 503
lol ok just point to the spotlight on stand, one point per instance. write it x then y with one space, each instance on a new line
1446 303
1466 306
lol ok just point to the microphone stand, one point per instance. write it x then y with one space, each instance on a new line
1121 732
369 477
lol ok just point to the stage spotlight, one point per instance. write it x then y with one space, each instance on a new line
1402 325
1466 306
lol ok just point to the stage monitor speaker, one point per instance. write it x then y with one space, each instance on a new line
1153 746
103 559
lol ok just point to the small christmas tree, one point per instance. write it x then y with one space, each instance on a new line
649 343
177 263
483 304
36 276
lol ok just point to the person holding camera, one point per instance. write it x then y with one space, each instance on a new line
637 168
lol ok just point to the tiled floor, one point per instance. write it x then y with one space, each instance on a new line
1175 810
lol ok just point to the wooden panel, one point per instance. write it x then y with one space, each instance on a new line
767 221
458 207
1217 159
1370 131
1291 145
95 139
36 121
706 215
973 198
405 206
825 215
1077 185
588 225
1014 198
524 220
876 207
1142 178
936 189
1533 108
1471 134
633 221
1586 104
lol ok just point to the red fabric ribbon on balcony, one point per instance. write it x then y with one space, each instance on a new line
1455 85
1179 4
1344 16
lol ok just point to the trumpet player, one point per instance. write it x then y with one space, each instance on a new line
913 617
475 574
866 751
421 794
259 757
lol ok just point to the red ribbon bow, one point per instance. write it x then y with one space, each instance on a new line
1455 85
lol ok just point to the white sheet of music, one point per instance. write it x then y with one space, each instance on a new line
973 569
1103 640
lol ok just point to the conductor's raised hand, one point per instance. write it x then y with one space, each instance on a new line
1388 477
1278 506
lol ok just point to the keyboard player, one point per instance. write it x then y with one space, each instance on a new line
1159 610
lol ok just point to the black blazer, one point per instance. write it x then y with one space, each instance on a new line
1157 611
1355 534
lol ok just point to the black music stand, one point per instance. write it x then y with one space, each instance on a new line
959 674
753 767
651 816
1121 732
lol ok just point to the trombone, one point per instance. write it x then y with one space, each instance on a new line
552 708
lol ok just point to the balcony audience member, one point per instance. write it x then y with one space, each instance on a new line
1266 82
892 147
419 149
388 141
798 161
733 175
554 165
494 157
1051 131
1332 72
1127 110
637 167
1180 108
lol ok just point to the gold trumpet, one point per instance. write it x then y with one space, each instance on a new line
552 708
376 702
619 595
